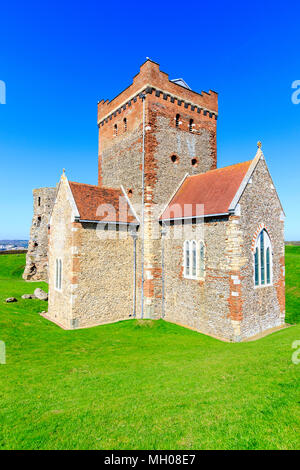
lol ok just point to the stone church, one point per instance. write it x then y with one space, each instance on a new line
165 233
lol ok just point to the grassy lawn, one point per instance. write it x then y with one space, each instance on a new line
149 385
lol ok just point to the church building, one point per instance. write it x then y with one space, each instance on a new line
165 234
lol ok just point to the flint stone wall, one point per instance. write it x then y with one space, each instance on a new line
60 247
262 307
103 292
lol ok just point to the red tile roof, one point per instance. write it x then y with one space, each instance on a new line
214 190
97 203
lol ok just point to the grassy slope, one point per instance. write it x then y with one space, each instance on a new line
148 385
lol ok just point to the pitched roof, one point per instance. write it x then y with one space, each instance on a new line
209 193
95 203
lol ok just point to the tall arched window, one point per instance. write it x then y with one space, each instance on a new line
193 259
186 258
115 130
263 260
201 259
191 125
125 124
177 120
58 273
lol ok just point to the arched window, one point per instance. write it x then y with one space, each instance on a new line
193 259
58 274
125 124
263 260
186 258
191 125
115 130
201 259
177 120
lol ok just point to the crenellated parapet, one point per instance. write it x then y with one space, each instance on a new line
151 80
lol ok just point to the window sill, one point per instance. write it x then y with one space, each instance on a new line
263 286
194 278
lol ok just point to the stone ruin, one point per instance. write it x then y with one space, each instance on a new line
36 268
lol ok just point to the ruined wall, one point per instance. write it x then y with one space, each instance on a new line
36 268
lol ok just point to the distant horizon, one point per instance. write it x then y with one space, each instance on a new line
27 240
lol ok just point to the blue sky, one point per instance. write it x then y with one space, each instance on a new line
59 58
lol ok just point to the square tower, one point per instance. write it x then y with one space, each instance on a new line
176 128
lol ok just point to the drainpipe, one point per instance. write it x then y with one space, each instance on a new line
163 234
143 203
134 238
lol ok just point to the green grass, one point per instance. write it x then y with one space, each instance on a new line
292 259
143 385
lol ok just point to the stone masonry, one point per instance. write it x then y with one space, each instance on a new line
180 138
225 303
37 256
174 129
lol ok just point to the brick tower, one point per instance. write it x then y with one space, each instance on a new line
177 129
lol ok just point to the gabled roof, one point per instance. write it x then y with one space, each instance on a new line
95 203
210 193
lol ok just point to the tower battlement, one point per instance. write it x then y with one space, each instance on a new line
152 79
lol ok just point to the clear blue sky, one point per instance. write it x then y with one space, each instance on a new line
59 58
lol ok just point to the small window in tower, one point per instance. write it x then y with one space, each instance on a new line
177 120
194 162
39 201
115 130
130 192
174 158
125 124
191 125
39 219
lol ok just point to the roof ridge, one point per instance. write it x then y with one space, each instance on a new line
219 169
84 184
95 186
